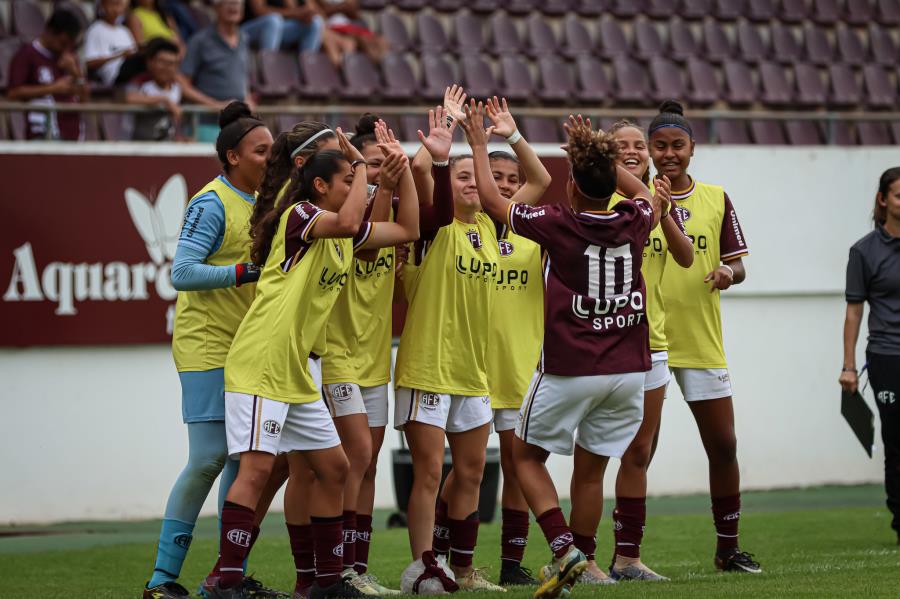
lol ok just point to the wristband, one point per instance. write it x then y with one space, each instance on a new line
440 163
450 120
731 270
515 137
356 163
853 370
246 272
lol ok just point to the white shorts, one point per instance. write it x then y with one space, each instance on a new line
344 399
606 410
505 419
453 413
698 384
658 375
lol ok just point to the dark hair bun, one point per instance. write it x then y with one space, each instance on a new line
366 124
233 112
671 107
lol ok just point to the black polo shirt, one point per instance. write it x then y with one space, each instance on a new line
873 275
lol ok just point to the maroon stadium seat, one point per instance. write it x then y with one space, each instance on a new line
542 130
469 33
793 11
478 77
874 133
278 74
785 48
320 78
696 9
400 81
517 82
541 40
811 89
484 6
576 37
700 129
776 91
826 12
410 123
431 35
888 12
845 89
682 43
850 47
803 133
26 19
661 9
410 5
732 132
879 91
446 5
591 8
729 10
647 41
769 133
626 9
394 31
739 83
761 10
372 4
895 129
505 36
593 82
612 39
841 133
818 48
884 50
716 46
667 79
8 49
632 83
750 43
520 7
704 85
556 81
859 12
437 75
361 75
555 7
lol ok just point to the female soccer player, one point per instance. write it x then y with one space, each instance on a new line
273 402
211 271
441 373
694 322
872 258
594 356
631 482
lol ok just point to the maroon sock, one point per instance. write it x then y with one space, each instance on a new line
301 536
463 538
726 515
363 538
441 540
585 544
513 535
237 531
328 544
628 525
349 539
214 573
556 531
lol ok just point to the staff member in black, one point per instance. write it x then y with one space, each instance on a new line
873 275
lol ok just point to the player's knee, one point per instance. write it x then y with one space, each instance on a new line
468 475
723 450
360 458
208 465
427 476
371 471
638 455
336 472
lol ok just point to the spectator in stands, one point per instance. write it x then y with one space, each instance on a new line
157 87
47 71
347 32
216 65
183 17
150 20
274 24
107 42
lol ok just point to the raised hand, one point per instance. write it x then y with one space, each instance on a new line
663 193
393 167
440 135
385 137
454 101
473 125
498 112
577 123
350 152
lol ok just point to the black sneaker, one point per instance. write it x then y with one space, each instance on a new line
166 590
513 574
258 590
236 592
342 588
738 561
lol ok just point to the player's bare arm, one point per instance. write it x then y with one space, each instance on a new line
537 178
491 200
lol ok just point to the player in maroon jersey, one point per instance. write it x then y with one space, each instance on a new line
596 338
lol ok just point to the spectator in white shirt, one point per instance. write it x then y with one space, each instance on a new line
157 87
108 42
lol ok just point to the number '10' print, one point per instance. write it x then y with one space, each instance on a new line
616 280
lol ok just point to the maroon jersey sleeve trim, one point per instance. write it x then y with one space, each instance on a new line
362 236
732 243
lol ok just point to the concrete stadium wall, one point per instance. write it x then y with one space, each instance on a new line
95 433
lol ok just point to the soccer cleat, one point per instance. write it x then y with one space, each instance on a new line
738 561
302 593
513 574
166 590
382 590
258 590
635 571
475 581
339 590
588 577
359 583
544 574
236 592
560 573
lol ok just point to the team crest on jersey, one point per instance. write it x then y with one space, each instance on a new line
341 392
505 247
430 401
474 239
683 213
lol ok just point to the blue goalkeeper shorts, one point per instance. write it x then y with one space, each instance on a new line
203 396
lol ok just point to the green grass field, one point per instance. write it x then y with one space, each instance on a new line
823 542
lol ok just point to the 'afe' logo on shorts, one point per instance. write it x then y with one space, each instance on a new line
239 537
506 248
272 428
430 401
341 392
474 239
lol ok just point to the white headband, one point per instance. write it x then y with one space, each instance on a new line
309 141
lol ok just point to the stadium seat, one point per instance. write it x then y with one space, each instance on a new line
811 89
704 85
785 48
793 11
696 9
450 6
874 133
859 12
768 133
484 6
372 4
879 91
626 9
841 133
504 35
400 81
320 79
776 91
469 33
541 130
576 37
410 123
750 43
716 46
591 8
667 79
278 74
803 133
632 85
8 49
541 40
647 41
517 83
431 36
612 39
437 75
556 81
682 43
818 48
884 50
361 75
826 12
845 89
555 7
888 12
661 9
729 10
394 31
593 83
761 10
700 129
410 5
26 19
895 130
478 77
850 47
741 90
732 132
520 7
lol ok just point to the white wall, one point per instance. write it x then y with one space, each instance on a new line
97 433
